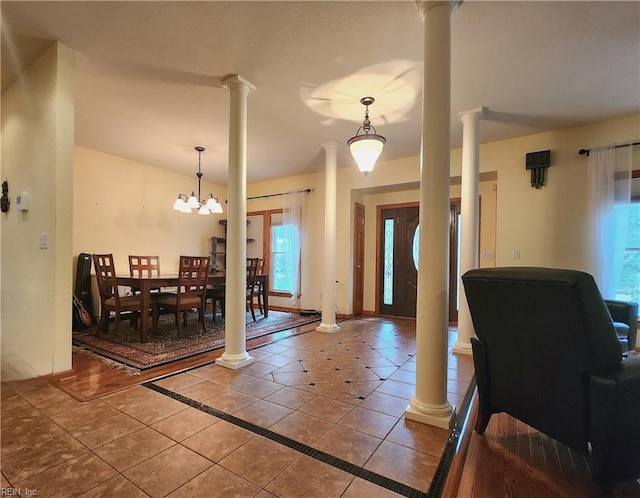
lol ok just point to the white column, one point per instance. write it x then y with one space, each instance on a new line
470 214
235 354
328 323
429 404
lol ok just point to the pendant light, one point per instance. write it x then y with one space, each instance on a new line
366 148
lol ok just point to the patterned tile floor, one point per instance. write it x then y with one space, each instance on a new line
295 423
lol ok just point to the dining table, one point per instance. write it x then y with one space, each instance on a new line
146 283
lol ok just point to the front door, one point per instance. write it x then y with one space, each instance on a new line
399 275
358 259
398 251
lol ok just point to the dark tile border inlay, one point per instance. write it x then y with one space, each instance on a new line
440 477
385 482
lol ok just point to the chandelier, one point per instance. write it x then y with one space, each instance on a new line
186 204
366 148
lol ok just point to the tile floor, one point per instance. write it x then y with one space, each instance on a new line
295 423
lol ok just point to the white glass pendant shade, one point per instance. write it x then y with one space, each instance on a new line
366 150
185 208
203 210
178 204
193 201
213 205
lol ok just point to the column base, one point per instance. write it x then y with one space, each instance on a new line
462 348
436 415
328 327
234 361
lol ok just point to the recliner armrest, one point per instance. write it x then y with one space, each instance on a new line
625 312
614 407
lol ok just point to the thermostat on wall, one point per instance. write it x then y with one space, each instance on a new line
22 201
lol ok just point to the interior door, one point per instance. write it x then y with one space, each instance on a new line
358 259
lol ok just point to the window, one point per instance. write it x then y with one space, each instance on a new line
272 245
280 254
628 287
387 280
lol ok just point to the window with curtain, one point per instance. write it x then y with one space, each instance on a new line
290 237
282 231
615 221
280 255
628 286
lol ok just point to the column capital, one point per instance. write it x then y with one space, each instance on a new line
477 113
236 81
425 6
330 145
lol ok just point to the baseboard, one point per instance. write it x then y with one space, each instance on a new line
286 309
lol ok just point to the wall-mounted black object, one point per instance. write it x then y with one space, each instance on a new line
4 200
538 162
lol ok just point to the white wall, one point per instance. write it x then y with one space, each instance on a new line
37 158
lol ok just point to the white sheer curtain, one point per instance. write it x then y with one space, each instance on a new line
609 174
292 218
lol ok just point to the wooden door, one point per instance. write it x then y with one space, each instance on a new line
398 271
454 260
397 278
358 259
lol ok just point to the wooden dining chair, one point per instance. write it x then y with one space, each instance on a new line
217 294
252 285
141 267
260 284
110 298
192 283
144 266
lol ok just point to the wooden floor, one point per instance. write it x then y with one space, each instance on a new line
91 378
510 459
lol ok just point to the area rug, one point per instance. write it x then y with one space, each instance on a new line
165 346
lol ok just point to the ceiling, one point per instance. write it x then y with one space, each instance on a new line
148 73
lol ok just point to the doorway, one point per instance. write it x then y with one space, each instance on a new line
398 248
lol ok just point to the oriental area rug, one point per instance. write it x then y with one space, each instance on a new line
165 346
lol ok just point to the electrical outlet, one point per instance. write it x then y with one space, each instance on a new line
516 254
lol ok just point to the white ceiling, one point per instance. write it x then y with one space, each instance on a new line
148 73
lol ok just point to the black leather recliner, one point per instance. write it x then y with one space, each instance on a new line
547 353
625 320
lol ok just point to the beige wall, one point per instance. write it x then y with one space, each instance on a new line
123 207
313 234
37 159
373 201
547 225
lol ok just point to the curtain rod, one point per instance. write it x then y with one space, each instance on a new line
307 190
582 152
